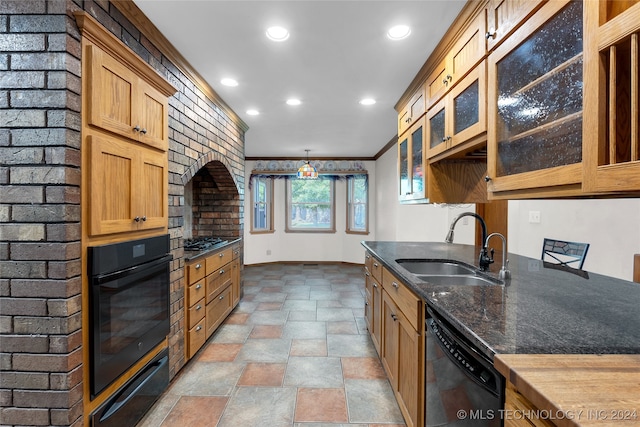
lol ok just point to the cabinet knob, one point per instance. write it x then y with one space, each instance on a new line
487 178
375 264
198 307
445 82
136 128
198 266
198 286
198 328
395 285
394 317
221 271
136 219
221 297
144 218
221 255
375 285
143 131
444 138
491 34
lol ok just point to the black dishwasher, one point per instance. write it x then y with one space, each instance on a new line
462 386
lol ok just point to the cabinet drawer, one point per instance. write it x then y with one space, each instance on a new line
218 280
403 297
235 252
218 309
516 403
197 337
214 262
376 270
195 271
196 313
195 293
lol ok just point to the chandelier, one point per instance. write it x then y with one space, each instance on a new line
307 170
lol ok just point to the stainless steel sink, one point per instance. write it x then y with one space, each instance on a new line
435 268
460 279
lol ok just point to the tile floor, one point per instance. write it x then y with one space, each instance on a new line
294 353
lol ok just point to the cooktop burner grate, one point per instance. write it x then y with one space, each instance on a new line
203 243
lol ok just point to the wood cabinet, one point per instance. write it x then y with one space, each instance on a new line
212 292
395 319
612 96
468 49
461 116
535 101
123 103
519 410
128 186
412 111
411 163
504 16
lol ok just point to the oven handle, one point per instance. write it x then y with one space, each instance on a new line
101 279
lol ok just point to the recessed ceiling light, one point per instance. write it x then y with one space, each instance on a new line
229 82
293 101
253 112
277 34
367 101
399 32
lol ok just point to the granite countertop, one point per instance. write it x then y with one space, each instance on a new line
540 310
190 256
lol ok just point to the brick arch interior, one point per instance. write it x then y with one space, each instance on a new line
212 200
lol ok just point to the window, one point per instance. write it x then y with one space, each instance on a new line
262 205
357 204
310 205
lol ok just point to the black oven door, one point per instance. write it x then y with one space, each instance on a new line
130 316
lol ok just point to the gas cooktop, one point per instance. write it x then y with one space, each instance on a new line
199 244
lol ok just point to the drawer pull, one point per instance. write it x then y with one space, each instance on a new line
221 255
198 307
198 328
198 286
221 297
394 317
375 285
395 285
198 266
221 271
366 273
375 264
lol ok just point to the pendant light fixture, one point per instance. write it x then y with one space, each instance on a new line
307 171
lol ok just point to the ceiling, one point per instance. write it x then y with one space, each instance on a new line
337 54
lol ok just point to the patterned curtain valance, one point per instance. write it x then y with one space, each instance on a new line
288 167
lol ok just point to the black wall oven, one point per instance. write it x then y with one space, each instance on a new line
129 303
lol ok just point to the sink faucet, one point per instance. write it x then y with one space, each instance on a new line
483 260
504 273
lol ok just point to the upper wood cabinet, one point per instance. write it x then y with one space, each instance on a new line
504 16
129 186
460 116
123 103
612 96
413 110
467 51
535 102
411 163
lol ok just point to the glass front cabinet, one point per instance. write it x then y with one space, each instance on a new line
411 164
535 106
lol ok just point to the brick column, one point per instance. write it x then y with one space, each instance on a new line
40 282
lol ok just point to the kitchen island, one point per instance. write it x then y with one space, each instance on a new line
543 310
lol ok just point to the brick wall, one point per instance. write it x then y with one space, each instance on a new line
40 251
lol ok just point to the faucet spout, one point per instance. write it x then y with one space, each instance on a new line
449 238
504 273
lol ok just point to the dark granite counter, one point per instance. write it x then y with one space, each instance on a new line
541 309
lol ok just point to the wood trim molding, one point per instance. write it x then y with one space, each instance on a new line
636 268
459 25
99 36
130 11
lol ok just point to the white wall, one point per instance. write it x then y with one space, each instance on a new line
414 222
611 226
313 247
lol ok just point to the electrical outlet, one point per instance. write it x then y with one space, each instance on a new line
533 265
534 217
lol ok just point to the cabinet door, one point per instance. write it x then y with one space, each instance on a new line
151 110
535 106
468 105
389 354
412 111
410 387
112 88
504 16
411 163
437 84
113 173
468 50
151 189
612 97
376 302
235 281
437 132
